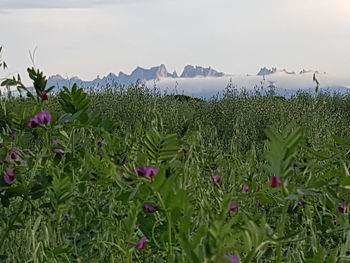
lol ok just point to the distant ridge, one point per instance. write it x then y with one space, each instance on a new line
267 71
138 74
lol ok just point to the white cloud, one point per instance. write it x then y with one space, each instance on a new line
21 4
285 84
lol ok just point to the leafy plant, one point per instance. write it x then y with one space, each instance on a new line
74 100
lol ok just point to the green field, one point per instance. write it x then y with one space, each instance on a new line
129 175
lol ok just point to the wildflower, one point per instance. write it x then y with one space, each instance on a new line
42 118
7 159
245 188
9 177
14 154
260 204
150 208
55 142
148 172
216 178
234 208
58 151
275 181
66 217
233 258
44 96
142 243
341 208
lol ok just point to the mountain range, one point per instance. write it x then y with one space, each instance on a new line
206 82
267 71
139 74
155 74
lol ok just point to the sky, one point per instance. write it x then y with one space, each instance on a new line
87 38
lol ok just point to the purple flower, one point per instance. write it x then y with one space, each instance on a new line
260 204
216 178
275 181
234 207
66 217
9 177
148 172
341 208
14 154
7 159
42 118
233 258
58 151
150 208
33 123
245 188
55 142
142 244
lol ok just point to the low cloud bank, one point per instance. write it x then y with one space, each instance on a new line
282 84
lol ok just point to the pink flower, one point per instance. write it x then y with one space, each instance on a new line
142 243
234 207
7 159
148 172
275 181
150 208
245 188
42 118
233 258
9 177
260 204
14 154
216 178
341 208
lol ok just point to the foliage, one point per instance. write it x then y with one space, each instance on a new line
109 170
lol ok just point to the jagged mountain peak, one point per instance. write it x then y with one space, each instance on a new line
266 71
191 72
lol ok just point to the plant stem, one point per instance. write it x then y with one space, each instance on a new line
2 240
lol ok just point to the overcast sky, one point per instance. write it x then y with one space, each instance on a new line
87 38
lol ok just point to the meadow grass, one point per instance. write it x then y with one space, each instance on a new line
262 178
